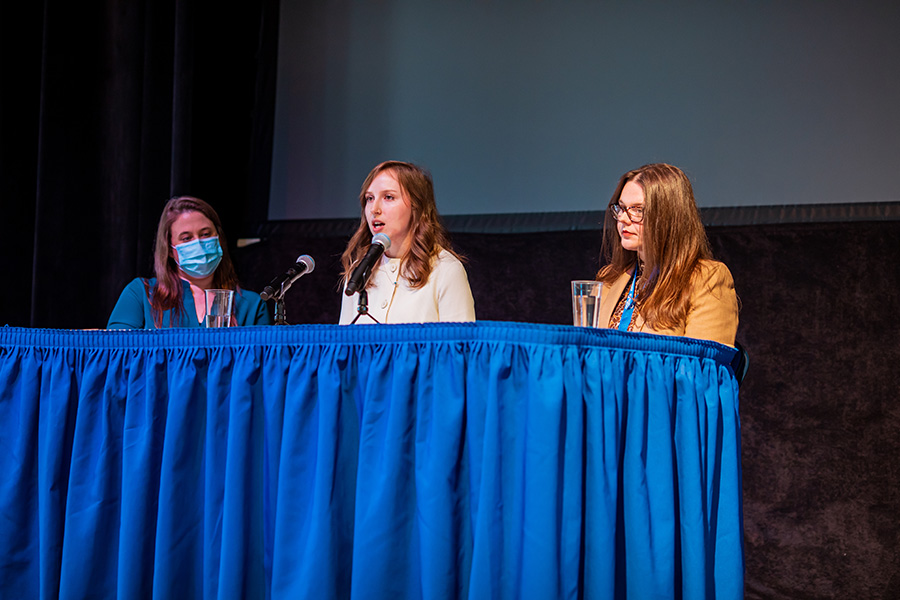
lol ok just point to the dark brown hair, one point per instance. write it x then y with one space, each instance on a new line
167 292
673 243
427 234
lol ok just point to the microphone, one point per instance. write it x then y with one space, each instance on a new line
305 264
360 275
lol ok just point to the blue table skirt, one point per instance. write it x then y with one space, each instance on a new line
480 460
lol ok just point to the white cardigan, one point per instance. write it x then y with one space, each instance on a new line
446 297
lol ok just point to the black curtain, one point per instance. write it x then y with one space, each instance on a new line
108 109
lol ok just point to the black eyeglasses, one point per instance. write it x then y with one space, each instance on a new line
635 213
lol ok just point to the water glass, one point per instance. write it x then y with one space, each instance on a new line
218 307
586 303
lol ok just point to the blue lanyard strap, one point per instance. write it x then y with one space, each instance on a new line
628 311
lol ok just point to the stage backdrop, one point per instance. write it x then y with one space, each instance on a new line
526 106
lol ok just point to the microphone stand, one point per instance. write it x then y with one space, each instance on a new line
305 264
362 307
279 307
279 312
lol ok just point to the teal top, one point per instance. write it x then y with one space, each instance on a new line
132 311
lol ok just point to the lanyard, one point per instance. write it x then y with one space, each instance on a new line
628 311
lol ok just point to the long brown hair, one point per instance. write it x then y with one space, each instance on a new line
427 233
167 293
673 243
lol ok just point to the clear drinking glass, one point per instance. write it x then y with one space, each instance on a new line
585 303
218 307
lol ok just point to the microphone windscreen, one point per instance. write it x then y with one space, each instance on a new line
382 240
308 262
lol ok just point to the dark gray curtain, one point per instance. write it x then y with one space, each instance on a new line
108 109
820 423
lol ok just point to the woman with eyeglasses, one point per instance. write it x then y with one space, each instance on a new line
190 257
660 276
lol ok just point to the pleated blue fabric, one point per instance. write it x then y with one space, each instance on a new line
478 460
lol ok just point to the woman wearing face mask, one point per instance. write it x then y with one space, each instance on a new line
660 277
191 256
419 278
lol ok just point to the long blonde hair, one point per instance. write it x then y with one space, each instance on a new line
427 234
673 243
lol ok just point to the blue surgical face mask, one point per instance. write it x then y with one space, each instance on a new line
200 257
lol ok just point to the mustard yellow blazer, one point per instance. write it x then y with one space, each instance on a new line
713 314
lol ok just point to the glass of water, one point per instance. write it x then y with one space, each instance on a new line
218 307
585 303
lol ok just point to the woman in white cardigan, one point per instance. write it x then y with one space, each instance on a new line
419 278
